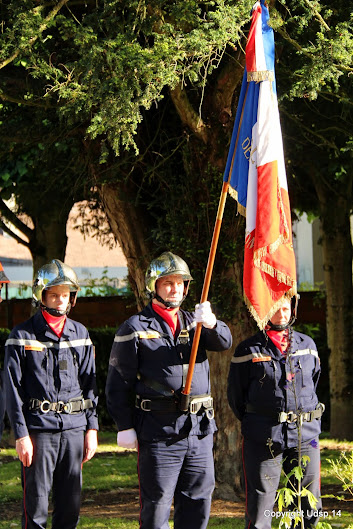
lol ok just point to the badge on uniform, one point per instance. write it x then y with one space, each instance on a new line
183 336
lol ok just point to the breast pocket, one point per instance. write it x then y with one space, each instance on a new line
266 378
304 375
68 369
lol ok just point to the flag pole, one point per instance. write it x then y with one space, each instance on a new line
185 394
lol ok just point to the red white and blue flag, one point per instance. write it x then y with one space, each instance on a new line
256 174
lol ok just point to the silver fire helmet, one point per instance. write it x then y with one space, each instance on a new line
53 274
165 265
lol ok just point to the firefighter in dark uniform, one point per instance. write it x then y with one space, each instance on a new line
51 400
272 391
3 280
149 359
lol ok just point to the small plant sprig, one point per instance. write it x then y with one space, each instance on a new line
289 496
342 468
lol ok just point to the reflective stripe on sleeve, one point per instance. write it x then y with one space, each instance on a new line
142 335
302 352
35 345
73 343
249 358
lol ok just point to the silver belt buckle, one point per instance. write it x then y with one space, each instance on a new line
291 417
44 406
197 403
67 407
143 403
195 407
60 406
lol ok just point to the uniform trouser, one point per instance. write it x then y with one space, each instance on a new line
262 471
182 469
57 459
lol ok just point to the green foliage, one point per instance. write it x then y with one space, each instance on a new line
289 496
342 468
109 61
314 76
102 286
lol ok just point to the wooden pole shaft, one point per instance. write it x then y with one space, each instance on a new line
205 289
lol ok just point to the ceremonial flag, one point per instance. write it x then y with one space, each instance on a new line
256 175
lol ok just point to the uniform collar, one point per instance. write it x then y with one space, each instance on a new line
155 321
41 327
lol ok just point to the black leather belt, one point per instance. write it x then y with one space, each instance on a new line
290 416
169 405
72 406
157 404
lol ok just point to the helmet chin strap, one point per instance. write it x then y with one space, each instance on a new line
283 327
168 304
55 312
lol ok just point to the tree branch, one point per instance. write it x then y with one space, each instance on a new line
310 134
228 81
26 102
12 217
187 113
317 14
42 28
298 47
13 234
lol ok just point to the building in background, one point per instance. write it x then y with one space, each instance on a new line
93 263
97 264
308 254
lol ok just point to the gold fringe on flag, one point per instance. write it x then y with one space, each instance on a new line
266 75
262 322
234 194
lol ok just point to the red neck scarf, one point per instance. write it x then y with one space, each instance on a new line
56 323
169 315
279 338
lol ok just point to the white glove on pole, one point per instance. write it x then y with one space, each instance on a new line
204 315
127 439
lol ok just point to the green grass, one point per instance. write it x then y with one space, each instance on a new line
115 469
122 523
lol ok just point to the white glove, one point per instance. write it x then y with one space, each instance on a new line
204 315
127 438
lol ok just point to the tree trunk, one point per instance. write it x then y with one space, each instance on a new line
49 237
335 206
127 225
227 446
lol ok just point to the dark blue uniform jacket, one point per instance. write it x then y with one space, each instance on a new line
40 365
263 380
144 349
